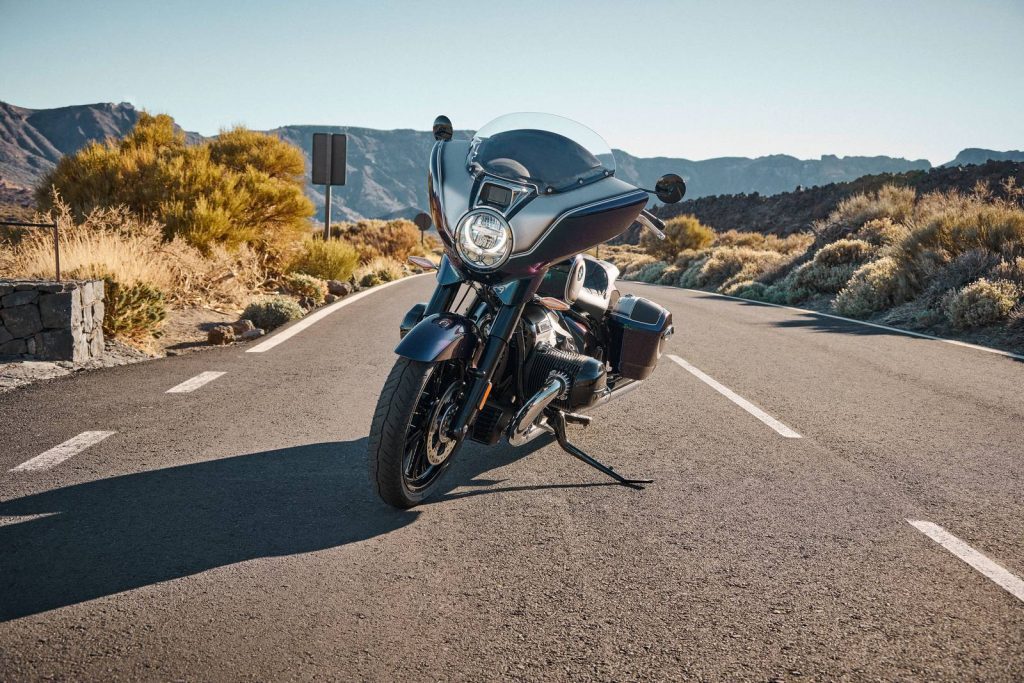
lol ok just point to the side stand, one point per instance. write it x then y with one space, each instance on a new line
556 419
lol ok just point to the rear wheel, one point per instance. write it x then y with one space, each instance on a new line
409 446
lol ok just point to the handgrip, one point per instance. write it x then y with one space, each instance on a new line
652 223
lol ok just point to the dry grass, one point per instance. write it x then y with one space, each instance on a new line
114 243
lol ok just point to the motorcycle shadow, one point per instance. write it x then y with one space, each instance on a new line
103 537
476 459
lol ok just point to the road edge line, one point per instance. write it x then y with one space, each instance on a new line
761 415
299 325
909 333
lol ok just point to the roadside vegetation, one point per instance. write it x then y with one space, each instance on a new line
946 262
222 225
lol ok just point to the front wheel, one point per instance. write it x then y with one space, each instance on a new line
409 446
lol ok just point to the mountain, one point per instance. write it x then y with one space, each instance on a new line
973 155
387 168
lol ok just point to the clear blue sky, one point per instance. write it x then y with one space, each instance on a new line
914 79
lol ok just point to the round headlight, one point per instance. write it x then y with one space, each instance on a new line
484 239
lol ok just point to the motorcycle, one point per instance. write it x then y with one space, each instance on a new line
545 334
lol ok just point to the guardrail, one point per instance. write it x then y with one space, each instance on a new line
56 239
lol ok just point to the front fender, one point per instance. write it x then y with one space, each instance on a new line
442 336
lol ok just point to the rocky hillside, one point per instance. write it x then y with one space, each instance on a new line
789 212
387 168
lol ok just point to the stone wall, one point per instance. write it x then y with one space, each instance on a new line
51 320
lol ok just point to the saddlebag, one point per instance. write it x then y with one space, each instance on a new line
639 328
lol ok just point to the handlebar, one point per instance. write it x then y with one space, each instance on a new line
651 222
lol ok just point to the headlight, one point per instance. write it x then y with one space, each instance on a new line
484 239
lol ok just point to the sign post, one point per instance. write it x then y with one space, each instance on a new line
423 222
330 153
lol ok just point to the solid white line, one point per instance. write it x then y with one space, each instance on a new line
62 452
737 399
920 335
1009 582
299 326
199 380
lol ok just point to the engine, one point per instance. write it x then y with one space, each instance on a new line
585 376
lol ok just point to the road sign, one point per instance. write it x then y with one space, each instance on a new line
330 156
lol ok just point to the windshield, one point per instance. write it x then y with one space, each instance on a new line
551 152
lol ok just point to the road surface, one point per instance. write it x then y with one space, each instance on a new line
227 530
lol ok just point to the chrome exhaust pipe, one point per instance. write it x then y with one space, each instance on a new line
525 426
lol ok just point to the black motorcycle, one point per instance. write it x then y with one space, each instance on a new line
545 333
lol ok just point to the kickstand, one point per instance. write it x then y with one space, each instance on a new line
557 422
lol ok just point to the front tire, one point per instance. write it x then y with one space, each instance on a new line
408 447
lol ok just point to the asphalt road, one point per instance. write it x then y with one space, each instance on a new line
230 532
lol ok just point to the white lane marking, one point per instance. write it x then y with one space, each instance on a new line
199 380
62 452
807 311
1009 582
737 399
299 326
11 520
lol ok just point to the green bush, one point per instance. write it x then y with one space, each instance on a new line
272 312
303 285
982 303
134 312
327 260
241 188
681 233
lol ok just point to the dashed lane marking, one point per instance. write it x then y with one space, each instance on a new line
1004 579
737 399
199 380
62 452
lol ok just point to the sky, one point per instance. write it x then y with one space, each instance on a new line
911 79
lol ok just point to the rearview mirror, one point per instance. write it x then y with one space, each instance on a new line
443 128
423 221
670 188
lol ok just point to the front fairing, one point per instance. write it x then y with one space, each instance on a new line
546 226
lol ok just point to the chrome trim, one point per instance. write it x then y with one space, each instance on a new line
574 210
522 425
458 241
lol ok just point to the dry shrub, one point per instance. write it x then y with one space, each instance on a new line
965 268
272 312
882 232
631 263
327 259
875 286
830 269
795 243
379 271
376 238
981 303
681 233
306 286
652 272
729 265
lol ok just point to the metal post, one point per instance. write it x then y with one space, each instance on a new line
56 250
327 212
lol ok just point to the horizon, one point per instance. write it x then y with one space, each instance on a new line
916 81
933 162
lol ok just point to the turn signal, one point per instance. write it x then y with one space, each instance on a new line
424 263
553 304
